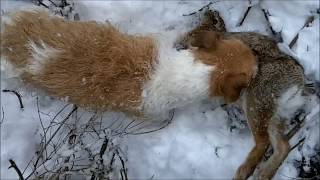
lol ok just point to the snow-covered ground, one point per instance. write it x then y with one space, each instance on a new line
198 143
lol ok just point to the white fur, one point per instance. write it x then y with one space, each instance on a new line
40 55
178 79
290 101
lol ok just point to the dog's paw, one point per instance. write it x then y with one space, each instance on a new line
262 173
242 172
262 177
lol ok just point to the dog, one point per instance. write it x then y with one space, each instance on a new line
97 67
274 95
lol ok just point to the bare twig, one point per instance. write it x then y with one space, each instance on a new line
154 130
42 4
2 118
201 9
266 15
104 147
17 94
293 41
277 35
64 3
294 130
42 126
298 143
53 135
306 24
15 167
123 171
53 3
244 16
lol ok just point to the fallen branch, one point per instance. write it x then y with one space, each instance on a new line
244 16
201 9
162 127
17 94
2 118
53 3
266 15
42 4
296 145
15 167
47 143
123 171
277 35
306 24
103 147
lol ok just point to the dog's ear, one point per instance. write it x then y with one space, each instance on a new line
205 39
232 86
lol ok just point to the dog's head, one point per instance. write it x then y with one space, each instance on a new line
235 65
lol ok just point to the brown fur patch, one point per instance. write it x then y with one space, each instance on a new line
234 62
98 66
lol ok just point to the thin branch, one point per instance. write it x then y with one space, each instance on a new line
162 127
17 94
306 24
298 143
294 130
15 167
42 126
53 135
244 16
2 118
42 4
293 41
277 35
201 9
103 147
266 15
123 171
53 3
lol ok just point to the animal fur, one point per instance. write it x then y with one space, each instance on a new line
275 93
98 67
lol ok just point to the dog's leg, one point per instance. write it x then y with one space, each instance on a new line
256 121
254 157
281 148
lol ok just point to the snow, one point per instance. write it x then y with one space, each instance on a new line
198 143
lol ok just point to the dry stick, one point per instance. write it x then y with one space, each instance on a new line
62 123
17 94
245 16
42 126
2 119
123 172
112 160
294 40
53 3
266 15
49 157
64 3
103 147
15 167
277 35
201 9
58 113
300 141
42 4
145 132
